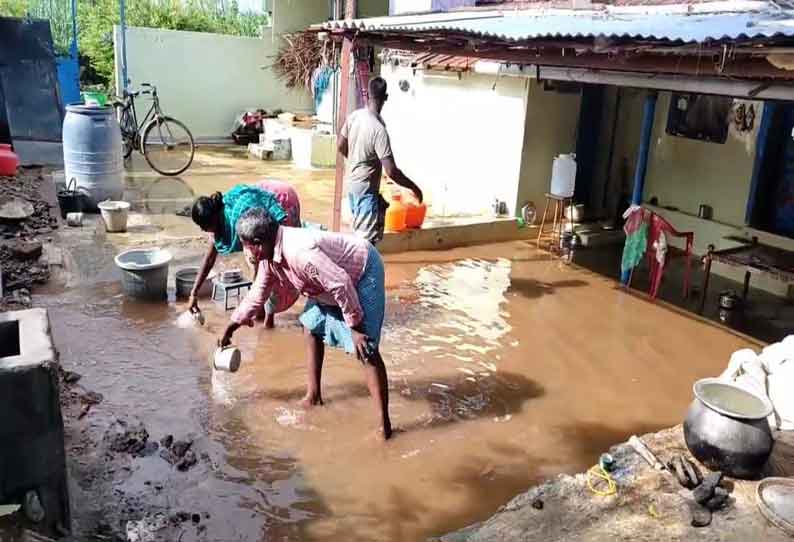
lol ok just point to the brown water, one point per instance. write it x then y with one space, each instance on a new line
505 366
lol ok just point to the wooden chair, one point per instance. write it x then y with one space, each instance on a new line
656 226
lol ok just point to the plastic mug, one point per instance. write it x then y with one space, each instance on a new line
227 359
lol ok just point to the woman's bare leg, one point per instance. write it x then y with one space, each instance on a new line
315 352
378 384
270 320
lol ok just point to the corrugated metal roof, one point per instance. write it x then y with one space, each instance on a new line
647 24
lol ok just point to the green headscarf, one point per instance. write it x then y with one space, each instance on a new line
236 202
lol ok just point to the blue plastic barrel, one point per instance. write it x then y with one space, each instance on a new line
92 152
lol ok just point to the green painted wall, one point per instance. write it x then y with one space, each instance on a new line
549 130
295 15
372 8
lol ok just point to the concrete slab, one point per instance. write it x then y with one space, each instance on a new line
33 461
25 339
446 234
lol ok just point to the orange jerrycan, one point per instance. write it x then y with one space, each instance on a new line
396 214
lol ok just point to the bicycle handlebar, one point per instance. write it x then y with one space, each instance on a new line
147 88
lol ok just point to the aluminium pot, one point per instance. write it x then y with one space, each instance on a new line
726 428
728 300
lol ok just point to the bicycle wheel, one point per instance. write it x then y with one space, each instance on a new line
168 146
127 131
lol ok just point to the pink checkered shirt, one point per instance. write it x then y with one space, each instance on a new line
321 265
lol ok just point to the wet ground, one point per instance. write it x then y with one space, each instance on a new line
764 316
506 367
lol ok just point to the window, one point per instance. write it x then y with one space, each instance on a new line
696 116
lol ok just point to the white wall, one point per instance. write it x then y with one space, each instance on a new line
551 122
399 7
459 140
204 79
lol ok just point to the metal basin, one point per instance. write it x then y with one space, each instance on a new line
726 428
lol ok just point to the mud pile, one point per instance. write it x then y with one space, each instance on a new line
21 248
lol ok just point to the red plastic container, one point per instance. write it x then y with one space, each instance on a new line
9 161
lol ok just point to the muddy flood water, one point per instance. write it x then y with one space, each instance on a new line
506 367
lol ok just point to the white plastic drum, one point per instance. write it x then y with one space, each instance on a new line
92 152
563 175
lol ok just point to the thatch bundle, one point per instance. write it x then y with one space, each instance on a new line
297 59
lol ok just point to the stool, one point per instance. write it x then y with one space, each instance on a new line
560 203
229 290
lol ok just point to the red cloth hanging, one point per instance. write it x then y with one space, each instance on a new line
657 227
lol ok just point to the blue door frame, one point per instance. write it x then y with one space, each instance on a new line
69 67
648 115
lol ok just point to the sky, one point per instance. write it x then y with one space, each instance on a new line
257 6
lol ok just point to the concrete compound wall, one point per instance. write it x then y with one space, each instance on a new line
204 79
460 139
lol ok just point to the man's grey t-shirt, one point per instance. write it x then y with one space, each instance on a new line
367 144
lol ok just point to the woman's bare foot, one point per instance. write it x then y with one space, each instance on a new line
270 321
311 400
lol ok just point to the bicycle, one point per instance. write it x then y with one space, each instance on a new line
162 140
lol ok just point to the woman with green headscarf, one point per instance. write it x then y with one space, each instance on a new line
218 214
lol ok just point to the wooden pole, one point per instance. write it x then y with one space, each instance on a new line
350 9
341 117
347 49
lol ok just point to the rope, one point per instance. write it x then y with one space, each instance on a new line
598 472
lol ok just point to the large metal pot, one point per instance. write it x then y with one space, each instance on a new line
726 428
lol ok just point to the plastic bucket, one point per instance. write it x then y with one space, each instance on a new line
71 201
185 279
114 213
144 272
95 98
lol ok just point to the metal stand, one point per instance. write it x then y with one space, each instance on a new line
229 290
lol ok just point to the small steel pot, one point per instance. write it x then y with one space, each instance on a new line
705 212
729 300
726 428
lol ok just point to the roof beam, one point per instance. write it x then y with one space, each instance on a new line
700 85
751 68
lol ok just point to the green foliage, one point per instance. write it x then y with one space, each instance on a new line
95 20
57 11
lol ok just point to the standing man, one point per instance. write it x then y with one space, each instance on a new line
364 142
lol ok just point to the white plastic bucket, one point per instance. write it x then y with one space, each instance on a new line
144 272
115 213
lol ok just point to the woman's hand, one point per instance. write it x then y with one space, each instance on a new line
361 342
226 339
192 303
